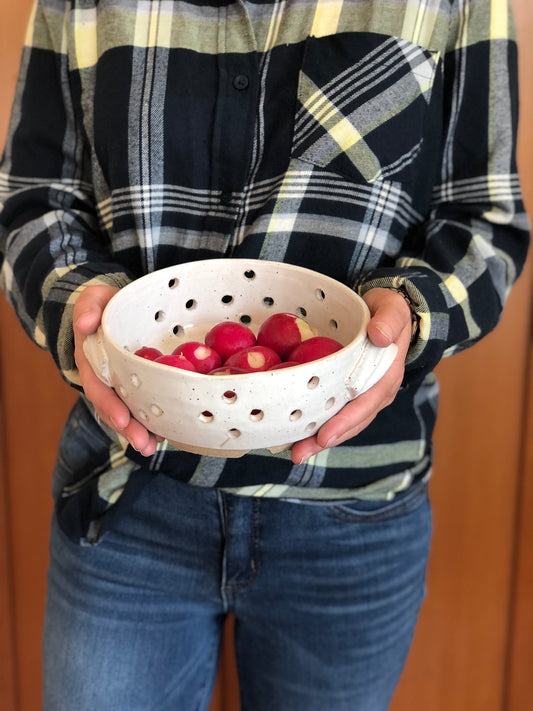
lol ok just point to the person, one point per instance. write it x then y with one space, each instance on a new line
370 141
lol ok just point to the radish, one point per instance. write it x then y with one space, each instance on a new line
253 359
314 348
148 352
283 331
204 358
176 361
228 337
285 364
227 370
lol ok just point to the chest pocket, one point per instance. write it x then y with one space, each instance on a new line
362 99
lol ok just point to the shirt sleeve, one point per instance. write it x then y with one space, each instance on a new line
459 265
51 246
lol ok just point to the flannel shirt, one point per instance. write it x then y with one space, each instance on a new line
371 140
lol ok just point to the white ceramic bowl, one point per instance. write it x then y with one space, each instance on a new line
232 414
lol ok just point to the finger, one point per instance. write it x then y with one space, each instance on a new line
347 423
109 406
305 448
140 438
114 413
354 416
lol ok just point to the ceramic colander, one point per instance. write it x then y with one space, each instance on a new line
232 414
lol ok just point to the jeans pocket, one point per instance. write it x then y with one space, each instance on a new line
362 101
84 451
361 510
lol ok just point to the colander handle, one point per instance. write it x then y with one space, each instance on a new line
93 347
371 366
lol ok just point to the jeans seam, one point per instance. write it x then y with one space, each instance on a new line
255 547
398 508
205 695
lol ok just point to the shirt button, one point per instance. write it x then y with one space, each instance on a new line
240 82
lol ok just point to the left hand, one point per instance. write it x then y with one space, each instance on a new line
390 323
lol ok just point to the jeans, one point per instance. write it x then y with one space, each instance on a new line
325 599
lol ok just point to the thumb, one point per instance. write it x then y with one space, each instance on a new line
89 308
390 315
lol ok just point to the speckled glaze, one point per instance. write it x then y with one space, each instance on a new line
230 415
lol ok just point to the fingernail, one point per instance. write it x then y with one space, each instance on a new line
332 441
116 426
385 330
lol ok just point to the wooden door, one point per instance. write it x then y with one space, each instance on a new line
474 644
519 688
475 638
32 408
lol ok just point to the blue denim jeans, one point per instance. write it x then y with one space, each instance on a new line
325 599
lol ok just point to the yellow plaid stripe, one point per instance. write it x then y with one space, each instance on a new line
346 138
154 23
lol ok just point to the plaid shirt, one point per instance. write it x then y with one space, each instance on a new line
368 139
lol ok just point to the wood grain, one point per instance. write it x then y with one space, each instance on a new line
520 684
519 693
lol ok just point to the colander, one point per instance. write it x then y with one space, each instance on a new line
229 415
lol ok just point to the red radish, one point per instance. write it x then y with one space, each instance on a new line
201 356
228 337
176 361
227 370
285 364
314 348
254 359
283 331
148 352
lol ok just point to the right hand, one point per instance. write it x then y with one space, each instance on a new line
109 407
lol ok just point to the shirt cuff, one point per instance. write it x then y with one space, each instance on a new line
421 289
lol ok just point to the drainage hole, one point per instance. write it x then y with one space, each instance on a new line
177 330
230 396
268 301
295 415
333 324
300 311
257 415
227 299
313 382
245 319
173 283
249 274
320 294
234 433
206 416
310 427
330 403
190 304
159 316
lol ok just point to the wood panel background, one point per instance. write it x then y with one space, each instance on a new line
474 642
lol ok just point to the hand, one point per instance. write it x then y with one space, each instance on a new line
109 407
390 323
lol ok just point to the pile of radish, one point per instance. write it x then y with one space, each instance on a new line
230 348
